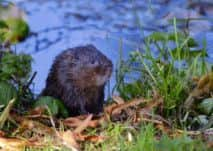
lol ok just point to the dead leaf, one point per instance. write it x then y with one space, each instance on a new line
134 102
67 138
91 138
205 80
191 133
37 127
150 105
108 109
210 144
204 87
37 112
84 124
13 144
2 133
195 79
164 128
149 115
118 100
95 139
74 122
151 121
208 136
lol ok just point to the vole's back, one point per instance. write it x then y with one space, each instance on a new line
77 77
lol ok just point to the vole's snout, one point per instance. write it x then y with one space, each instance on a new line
108 71
108 65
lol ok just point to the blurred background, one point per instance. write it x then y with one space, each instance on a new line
110 25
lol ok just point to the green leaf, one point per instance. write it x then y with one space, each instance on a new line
158 36
206 106
192 43
17 31
3 30
161 36
181 143
56 106
187 53
181 37
131 90
172 36
5 114
15 65
7 92
3 24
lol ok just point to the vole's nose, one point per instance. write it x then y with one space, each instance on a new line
107 68
109 64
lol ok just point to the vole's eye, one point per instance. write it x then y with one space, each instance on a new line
94 62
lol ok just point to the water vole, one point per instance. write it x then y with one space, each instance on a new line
77 77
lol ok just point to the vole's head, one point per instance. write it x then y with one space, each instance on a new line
89 67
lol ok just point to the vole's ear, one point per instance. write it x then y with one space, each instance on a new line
90 46
94 62
70 57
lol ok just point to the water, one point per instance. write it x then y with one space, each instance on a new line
110 25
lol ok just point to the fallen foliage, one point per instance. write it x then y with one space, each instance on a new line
34 128
204 87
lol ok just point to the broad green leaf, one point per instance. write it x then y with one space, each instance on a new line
18 30
15 65
3 24
206 106
56 106
192 43
172 36
7 92
157 36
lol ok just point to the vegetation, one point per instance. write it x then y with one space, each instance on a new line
165 100
170 72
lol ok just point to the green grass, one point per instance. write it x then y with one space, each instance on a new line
144 139
169 72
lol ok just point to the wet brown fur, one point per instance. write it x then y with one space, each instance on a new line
77 77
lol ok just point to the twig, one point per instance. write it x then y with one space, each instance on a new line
30 81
